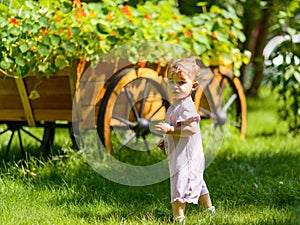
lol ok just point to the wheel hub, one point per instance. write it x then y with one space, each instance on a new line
142 128
221 118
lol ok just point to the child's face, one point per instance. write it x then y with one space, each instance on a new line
180 85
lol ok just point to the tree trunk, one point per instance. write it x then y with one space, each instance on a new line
262 31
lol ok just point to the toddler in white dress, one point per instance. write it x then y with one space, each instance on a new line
182 142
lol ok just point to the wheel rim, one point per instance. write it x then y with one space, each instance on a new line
229 108
133 106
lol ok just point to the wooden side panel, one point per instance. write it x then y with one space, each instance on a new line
49 99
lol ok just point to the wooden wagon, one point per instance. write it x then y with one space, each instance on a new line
117 95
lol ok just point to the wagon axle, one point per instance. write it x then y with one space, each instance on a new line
142 127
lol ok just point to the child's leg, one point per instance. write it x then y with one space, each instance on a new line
205 201
178 208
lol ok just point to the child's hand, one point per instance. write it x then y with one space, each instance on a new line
164 128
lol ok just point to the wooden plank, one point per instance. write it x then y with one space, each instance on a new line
52 102
72 82
8 86
44 86
10 102
12 115
25 102
50 115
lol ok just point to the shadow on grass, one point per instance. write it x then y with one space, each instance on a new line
235 181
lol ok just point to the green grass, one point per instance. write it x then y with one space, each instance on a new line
252 181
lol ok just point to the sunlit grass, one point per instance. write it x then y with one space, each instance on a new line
252 181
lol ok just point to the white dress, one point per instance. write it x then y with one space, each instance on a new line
185 155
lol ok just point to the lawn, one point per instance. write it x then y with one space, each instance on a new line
252 181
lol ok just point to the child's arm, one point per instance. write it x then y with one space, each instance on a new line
185 129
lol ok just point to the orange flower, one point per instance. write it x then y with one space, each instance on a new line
172 33
125 9
33 49
231 34
141 63
112 33
187 33
174 17
92 14
14 21
147 16
77 2
109 16
81 11
70 32
214 34
55 32
57 18
101 38
43 31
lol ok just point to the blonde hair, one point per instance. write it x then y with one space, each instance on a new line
187 66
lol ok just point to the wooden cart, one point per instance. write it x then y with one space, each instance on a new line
126 97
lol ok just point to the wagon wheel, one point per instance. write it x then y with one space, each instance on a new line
133 102
224 103
18 130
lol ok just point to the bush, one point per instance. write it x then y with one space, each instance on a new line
44 38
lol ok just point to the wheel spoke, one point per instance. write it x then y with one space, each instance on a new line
31 135
146 144
119 127
9 142
127 122
234 123
156 111
229 102
21 144
126 141
2 132
221 86
208 113
129 97
157 134
144 97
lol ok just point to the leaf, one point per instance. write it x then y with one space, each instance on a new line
246 56
55 40
61 62
297 76
43 68
102 28
47 41
199 48
75 30
3 8
20 61
14 31
44 21
43 49
5 65
66 7
24 48
27 27
222 37
70 47
112 39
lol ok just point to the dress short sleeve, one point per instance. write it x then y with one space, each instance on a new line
187 116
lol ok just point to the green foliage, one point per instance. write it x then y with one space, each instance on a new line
46 36
285 76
